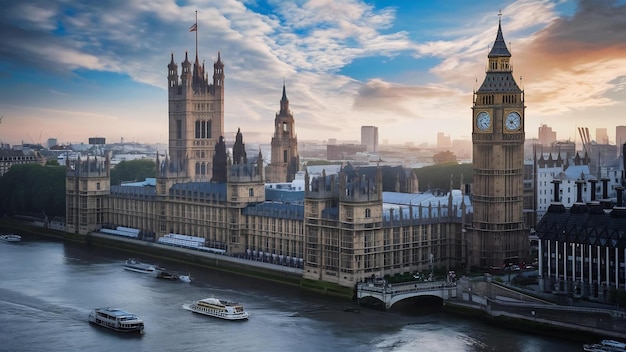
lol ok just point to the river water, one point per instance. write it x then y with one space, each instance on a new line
48 288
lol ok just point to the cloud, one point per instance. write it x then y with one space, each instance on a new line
567 62
575 62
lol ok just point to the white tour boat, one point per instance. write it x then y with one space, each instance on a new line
135 265
218 308
116 319
10 237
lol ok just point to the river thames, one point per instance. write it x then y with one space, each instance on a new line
48 288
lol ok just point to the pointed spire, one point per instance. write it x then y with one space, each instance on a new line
284 102
499 48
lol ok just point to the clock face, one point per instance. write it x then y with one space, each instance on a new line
483 120
513 121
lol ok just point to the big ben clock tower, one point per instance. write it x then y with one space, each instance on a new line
499 236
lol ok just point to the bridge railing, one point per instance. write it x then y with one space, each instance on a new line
394 289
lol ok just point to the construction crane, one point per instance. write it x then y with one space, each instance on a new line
586 139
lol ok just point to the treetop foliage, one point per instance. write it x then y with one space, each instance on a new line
132 171
33 188
437 177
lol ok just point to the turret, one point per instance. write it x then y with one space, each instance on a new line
186 73
218 73
172 75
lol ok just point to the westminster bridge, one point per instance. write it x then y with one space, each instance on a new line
390 294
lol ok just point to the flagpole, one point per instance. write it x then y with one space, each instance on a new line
196 35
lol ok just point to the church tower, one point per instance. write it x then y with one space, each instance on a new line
285 160
196 116
499 236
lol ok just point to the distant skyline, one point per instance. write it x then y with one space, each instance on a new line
72 70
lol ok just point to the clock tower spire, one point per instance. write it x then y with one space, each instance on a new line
498 111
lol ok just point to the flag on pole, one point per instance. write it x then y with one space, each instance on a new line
194 27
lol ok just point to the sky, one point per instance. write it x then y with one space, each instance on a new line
77 69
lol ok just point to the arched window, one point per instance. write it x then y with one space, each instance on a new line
368 213
197 131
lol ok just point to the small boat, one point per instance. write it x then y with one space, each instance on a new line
135 265
184 278
161 273
116 319
594 347
605 346
10 237
218 308
613 345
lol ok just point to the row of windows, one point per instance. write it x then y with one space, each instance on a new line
203 129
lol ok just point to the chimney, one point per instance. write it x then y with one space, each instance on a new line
605 187
606 202
556 206
556 190
593 189
619 211
579 190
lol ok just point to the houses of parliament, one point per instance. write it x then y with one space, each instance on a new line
339 227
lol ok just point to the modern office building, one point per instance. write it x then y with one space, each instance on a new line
546 136
369 138
602 136
443 141
582 248
620 136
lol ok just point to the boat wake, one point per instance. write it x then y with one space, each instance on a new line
18 305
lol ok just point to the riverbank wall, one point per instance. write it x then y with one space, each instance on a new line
282 274
504 306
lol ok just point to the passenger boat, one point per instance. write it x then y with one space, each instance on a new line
10 237
135 265
605 346
218 308
116 319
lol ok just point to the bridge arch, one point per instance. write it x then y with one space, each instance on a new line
391 294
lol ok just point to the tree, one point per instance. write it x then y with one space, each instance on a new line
133 170
438 176
33 188
446 157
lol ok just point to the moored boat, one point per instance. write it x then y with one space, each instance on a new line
161 273
10 237
135 265
613 345
218 308
116 319
184 278
605 346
